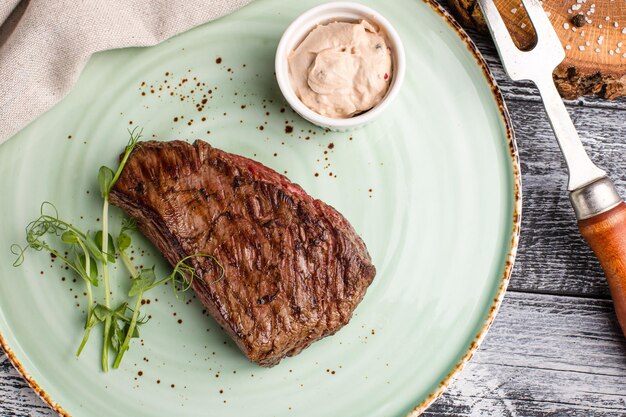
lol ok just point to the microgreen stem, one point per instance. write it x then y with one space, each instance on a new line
83 342
129 265
87 273
107 181
105 279
133 322
129 334
129 149
89 298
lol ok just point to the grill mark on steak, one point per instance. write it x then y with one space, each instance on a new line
294 268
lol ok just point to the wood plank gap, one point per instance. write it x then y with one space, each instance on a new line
559 294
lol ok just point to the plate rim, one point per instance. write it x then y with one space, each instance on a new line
517 209
505 275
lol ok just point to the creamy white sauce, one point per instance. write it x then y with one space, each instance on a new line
341 69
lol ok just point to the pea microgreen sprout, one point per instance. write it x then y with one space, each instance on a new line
83 247
121 324
91 269
107 179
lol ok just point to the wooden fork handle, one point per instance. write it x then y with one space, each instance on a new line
606 235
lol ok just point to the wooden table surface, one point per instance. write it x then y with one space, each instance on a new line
555 348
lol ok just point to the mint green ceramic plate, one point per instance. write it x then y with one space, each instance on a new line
432 186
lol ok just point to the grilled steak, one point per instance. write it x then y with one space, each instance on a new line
294 268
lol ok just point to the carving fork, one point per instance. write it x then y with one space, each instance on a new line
600 211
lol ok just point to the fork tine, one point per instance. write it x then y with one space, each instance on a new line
546 35
510 55
497 27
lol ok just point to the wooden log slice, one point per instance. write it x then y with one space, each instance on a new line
593 33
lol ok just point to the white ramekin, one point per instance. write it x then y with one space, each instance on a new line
325 13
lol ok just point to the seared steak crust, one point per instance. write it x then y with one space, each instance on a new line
294 268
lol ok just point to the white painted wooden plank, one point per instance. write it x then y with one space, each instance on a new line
16 397
545 356
552 256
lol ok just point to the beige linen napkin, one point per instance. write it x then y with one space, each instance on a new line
44 44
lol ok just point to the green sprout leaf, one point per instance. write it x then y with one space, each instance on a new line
111 249
135 330
102 312
93 268
123 242
105 180
93 247
143 282
92 320
128 225
117 335
69 237
120 312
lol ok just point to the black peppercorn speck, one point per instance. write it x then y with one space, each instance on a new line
579 20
